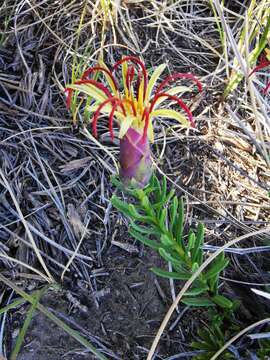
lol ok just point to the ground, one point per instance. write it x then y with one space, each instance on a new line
55 180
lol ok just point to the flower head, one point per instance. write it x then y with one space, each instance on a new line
133 105
137 104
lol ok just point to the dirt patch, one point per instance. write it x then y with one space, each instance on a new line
120 318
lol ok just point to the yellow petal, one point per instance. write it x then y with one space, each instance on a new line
108 78
171 114
267 53
125 125
90 90
150 131
173 91
124 77
140 95
156 74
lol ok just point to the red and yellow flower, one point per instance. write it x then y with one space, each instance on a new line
133 108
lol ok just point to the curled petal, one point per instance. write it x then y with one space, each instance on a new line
130 76
99 68
259 67
146 115
263 64
179 102
179 76
138 82
267 87
68 93
113 100
114 107
137 61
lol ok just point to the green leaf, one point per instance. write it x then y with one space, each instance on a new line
145 202
197 291
169 196
201 345
180 224
198 302
213 284
117 183
120 205
139 193
166 240
236 304
162 218
206 335
149 230
173 212
163 189
13 305
169 257
197 252
191 240
157 187
222 301
134 213
195 267
216 268
170 274
146 241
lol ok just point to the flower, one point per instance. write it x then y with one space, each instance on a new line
263 63
134 109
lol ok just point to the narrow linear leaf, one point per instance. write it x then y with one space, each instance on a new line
170 274
162 218
197 291
146 241
191 240
134 213
216 268
169 196
180 224
157 187
173 212
222 301
202 346
163 189
120 205
213 283
198 243
13 305
166 240
200 302
144 230
169 257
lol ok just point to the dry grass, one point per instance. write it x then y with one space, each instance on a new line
55 214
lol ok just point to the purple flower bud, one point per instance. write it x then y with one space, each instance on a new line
135 159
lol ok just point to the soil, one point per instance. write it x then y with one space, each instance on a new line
123 315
